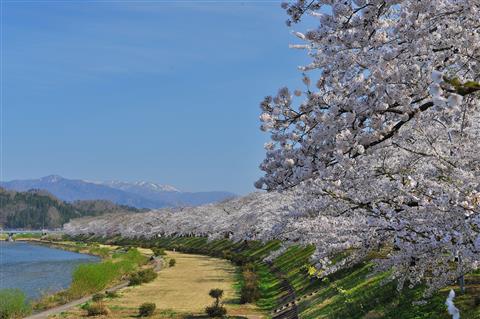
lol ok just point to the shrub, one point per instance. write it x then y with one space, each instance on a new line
158 251
143 276
216 311
172 262
148 275
13 304
97 309
98 297
134 280
146 309
249 292
111 294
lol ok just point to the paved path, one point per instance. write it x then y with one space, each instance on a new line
57 310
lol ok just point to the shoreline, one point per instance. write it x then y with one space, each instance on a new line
84 250
44 314
56 245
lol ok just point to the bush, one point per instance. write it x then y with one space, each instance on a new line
172 262
13 304
134 280
143 276
249 292
98 297
148 275
111 294
158 251
146 309
97 309
216 311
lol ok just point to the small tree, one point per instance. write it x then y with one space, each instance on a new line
146 309
217 309
172 262
217 294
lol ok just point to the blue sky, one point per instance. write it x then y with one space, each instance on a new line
142 90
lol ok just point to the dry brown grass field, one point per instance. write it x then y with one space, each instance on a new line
179 291
183 287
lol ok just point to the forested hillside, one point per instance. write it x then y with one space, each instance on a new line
39 209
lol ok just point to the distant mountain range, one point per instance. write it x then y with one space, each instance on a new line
139 194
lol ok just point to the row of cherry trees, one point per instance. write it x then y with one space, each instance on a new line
388 130
258 216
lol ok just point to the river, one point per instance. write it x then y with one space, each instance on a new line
36 269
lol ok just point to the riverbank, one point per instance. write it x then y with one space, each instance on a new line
29 271
112 273
38 269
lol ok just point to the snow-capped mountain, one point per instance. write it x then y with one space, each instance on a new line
139 194
140 185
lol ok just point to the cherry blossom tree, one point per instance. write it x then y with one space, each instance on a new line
388 129
379 151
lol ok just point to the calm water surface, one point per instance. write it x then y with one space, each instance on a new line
37 269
